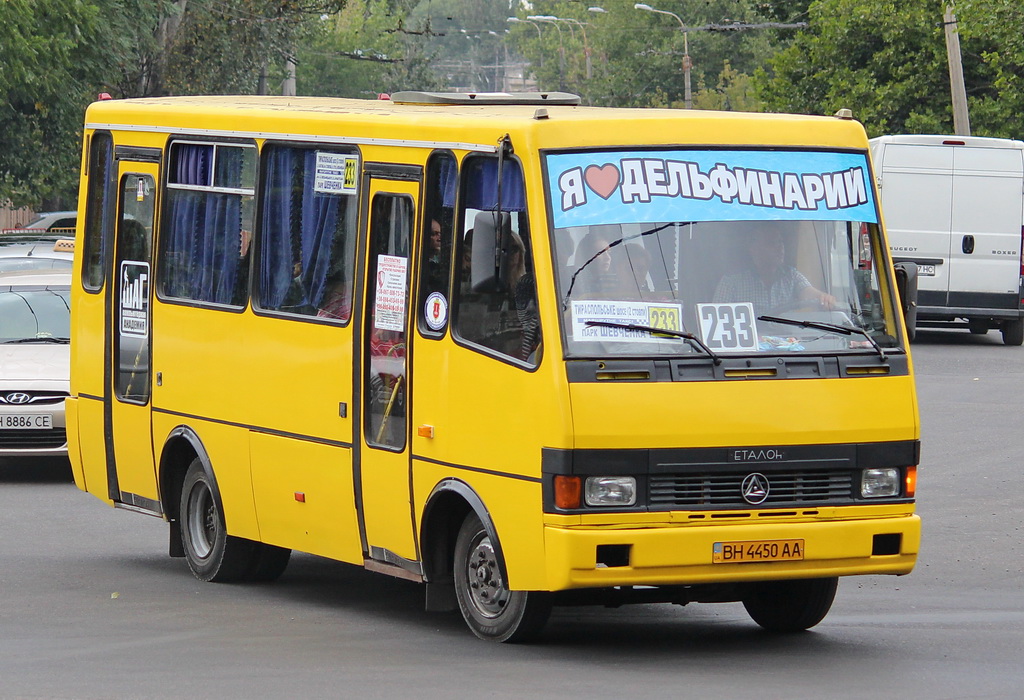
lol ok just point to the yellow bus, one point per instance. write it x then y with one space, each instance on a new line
525 352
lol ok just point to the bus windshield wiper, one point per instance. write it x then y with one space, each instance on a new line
41 339
694 340
616 242
830 327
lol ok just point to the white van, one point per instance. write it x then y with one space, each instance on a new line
955 206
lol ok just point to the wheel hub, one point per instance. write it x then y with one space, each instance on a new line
489 594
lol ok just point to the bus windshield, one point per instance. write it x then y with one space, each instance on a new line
741 273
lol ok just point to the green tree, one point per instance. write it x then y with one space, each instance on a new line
56 55
366 49
465 41
636 56
996 100
884 59
48 69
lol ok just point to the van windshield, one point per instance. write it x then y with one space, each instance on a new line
764 261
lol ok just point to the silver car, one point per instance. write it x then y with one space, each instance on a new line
23 249
35 359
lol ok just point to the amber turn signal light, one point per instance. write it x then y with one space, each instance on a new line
910 482
567 492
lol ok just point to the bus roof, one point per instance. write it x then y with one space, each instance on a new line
545 124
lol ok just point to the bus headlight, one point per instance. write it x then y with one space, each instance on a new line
878 483
610 491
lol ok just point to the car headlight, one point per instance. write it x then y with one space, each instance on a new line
879 483
610 491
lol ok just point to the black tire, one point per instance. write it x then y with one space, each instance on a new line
977 327
211 553
790 606
1013 332
268 562
490 609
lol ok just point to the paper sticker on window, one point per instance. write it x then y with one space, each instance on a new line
728 327
389 305
134 308
335 173
619 319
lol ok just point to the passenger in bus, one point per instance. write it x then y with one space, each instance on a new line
465 274
524 298
768 282
435 281
337 299
635 264
592 265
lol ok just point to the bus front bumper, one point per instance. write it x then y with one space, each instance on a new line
666 554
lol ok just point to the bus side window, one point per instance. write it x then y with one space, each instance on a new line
204 250
307 234
496 308
436 248
99 210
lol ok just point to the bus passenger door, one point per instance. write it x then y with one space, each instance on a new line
130 470
383 468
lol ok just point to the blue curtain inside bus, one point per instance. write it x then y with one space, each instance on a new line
297 231
203 252
481 185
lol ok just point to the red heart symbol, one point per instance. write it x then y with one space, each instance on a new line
602 179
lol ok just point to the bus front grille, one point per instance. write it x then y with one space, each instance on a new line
724 489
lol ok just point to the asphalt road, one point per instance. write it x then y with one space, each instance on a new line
91 606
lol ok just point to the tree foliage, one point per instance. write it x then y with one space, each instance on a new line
368 48
47 71
636 57
58 54
886 60
465 40
994 34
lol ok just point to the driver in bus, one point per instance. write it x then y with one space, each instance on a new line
769 282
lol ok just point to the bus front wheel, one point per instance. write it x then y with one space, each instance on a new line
790 606
490 609
212 554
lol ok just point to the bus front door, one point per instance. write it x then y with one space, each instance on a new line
130 466
383 467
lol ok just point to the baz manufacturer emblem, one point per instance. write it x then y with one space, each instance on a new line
18 397
755 488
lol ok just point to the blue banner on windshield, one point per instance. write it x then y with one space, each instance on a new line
617 187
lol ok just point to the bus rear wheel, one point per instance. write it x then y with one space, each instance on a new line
790 606
211 553
491 610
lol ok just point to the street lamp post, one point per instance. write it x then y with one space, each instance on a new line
572 35
586 45
516 20
687 63
561 46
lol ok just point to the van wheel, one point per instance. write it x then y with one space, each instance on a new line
790 606
1013 332
490 609
211 553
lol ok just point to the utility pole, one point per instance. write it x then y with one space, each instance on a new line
961 119
288 86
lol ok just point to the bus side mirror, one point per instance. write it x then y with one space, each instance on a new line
906 286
